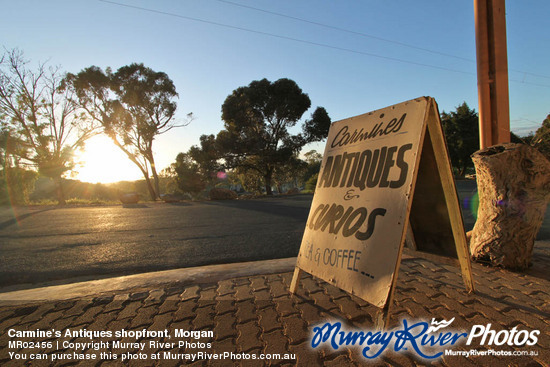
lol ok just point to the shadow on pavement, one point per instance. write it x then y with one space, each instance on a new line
541 261
280 208
17 218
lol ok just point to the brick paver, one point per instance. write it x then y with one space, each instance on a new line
257 315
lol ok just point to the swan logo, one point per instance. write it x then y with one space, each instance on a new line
436 325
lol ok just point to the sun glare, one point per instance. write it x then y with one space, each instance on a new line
101 161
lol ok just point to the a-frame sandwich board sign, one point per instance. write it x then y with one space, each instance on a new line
385 179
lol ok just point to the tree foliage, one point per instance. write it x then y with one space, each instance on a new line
188 176
198 168
16 182
44 127
313 160
311 182
206 156
257 119
133 105
316 128
541 140
290 172
250 180
461 129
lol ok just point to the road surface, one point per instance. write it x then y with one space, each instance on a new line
111 240
49 244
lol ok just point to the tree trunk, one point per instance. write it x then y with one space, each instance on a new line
142 168
155 175
147 180
156 181
59 192
150 187
267 179
145 173
462 172
514 189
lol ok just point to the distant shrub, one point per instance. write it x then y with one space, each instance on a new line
247 196
43 202
95 201
222 194
312 183
171 198
293 191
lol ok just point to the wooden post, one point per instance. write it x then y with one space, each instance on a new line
492 72
295 280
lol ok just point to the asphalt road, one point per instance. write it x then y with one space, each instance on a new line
65 243
52 244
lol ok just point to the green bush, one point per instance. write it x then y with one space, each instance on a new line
222 194
312 183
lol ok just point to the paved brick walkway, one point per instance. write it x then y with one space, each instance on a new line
257 315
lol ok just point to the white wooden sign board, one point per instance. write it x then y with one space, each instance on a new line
359 215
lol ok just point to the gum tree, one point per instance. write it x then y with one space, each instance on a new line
461 129
39 115
257 119
133 105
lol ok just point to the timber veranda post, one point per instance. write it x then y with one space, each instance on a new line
492 72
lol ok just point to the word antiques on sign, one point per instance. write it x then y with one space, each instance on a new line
385 180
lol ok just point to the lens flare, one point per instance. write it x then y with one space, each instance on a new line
470 204
474 204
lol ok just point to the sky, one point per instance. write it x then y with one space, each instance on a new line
350 57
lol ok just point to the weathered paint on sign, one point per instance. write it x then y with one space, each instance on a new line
357 219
